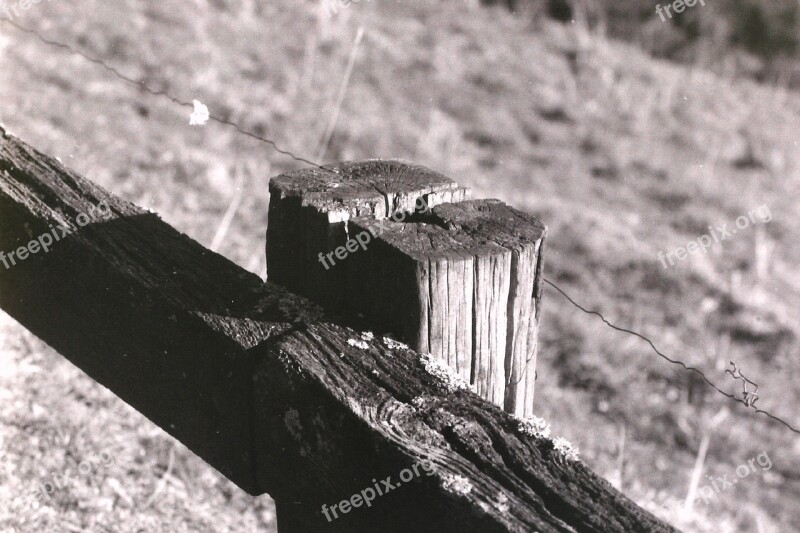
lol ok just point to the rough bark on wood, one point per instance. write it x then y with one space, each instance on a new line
455 280
251 377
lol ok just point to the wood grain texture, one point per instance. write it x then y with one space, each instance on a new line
310 210
523 235
455 280
469 279
276 397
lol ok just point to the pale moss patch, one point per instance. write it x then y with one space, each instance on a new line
358 343
533 426
443 373
393 344
566 449
501 503
457 484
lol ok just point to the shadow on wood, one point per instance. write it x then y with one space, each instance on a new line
252 378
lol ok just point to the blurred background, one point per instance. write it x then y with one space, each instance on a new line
626 134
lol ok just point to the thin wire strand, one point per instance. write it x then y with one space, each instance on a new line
142 85
667 358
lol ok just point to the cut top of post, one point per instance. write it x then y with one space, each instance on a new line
375 188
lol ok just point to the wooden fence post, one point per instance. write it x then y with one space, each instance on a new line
401 246
258 383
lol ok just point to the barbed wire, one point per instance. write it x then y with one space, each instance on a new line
750 397
161 93
142 85
667 358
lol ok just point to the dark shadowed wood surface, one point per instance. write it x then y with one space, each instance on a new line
257 383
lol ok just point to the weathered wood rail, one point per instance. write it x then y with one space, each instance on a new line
264 388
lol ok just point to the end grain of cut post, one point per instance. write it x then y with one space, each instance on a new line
309 212
460 280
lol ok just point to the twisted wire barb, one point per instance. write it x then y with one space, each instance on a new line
667 358
750 397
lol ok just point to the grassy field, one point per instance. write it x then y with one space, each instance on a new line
620 154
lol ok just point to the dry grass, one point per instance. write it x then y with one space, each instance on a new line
621 155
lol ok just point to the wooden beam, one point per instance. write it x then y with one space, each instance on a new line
256 382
